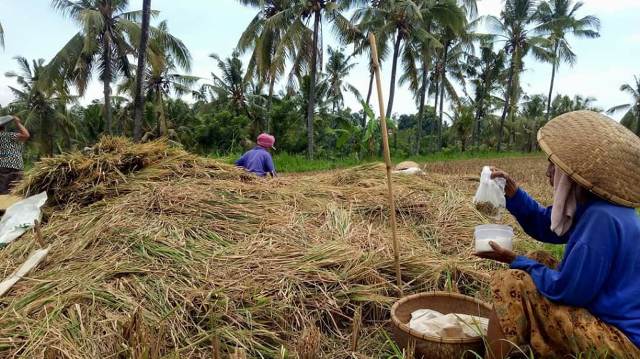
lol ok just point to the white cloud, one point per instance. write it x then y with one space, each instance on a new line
490 7
493 7
610 6
5 93
634 38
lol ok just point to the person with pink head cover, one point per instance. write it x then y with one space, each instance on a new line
258 160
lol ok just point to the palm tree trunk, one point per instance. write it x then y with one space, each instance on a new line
312 84
395 138
107 83
47 124
426 60
553 77
440 123
638 119
142 51
515 87
394 69
532 136
162 120
505 109
423 95
270 104
443 74
479 111
436 77
369 92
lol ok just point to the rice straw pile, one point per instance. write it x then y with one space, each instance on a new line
159 254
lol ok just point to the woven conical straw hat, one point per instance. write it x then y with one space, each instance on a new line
597 152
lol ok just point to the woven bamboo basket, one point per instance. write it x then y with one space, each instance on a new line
428 347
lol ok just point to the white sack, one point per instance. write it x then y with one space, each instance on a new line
409 171
432 323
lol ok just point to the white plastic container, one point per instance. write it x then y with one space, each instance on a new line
502 235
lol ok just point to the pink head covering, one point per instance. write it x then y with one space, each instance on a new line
266 140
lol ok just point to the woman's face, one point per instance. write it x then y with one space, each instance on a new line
551 170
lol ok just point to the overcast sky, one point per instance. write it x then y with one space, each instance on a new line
34 30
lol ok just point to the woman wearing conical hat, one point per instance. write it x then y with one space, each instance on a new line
589 303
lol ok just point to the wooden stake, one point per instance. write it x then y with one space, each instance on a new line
387 158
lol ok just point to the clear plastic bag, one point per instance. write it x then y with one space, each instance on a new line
489 198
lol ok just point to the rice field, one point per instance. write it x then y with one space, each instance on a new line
157 253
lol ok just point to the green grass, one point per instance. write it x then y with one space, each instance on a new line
291 163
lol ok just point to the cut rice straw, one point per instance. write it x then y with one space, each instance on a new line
172 255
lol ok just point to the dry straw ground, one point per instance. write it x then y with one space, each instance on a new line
158 253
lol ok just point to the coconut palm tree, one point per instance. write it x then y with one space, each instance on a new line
165 55
463 122
399 20
533 117
486 74
563 104
234 88
101 42
515 28
290 17
357 35
41 103
458 47
142 51
338 67
558 20
272 46
457 39
420 53
108 35
633 107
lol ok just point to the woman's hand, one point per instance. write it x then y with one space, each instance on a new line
499 254
511 186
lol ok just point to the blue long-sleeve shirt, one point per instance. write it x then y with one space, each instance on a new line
600 270
258 161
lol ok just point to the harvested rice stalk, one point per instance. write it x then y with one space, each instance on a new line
114 162
202 254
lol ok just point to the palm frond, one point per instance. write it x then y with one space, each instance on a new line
136 15
67 7
618 108
630 90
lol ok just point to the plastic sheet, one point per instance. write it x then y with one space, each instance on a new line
5 119
20 217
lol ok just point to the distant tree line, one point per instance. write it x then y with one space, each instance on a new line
465 84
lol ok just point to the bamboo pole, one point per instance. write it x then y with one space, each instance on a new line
387 159
34 259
